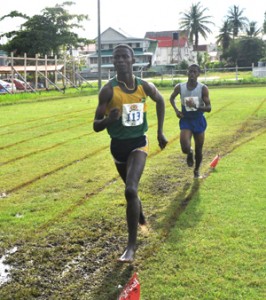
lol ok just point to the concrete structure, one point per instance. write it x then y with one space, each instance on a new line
260 70
173 47
210 49
144 51
3 60
162 50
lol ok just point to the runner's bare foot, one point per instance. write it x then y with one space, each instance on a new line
127 256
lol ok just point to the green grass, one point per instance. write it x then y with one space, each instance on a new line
52 94
213 79
65 210
216 249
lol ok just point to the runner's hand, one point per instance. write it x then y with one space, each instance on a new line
162 141
179 114
114 114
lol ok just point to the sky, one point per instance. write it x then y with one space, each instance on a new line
135 17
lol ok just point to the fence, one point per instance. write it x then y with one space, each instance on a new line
39 73
62 73
170 74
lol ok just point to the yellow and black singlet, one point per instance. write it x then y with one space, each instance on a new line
133 120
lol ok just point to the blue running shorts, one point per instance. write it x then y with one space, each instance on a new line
196 125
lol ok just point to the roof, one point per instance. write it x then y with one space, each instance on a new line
108 53
166 38
49 68
108 66
169 42
200 48
111 34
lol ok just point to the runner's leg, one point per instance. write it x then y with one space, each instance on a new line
185 142
122 170
135 166
199 142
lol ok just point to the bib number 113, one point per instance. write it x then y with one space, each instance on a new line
133 114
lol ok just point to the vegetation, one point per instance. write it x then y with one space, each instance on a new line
207 253
62 209
196 23
237 20
224 37
51 33
252 30
238 37
214 77
46 34
244 49
264 24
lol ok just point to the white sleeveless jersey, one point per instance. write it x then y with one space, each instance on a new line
195 94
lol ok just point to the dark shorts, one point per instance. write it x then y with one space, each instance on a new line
196 125
121 149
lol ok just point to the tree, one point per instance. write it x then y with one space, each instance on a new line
225 35
48 33
236 20
195 23
245 51
264 24
252 30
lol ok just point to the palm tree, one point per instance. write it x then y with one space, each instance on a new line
224 37
236 19
252 30
264 24
195 23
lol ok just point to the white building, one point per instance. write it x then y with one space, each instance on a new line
173 47
260 70
144 50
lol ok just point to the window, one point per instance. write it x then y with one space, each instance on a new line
105 60
93 60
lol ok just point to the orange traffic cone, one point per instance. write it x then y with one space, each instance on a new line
132 289
214 162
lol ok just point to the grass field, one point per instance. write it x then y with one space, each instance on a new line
62 210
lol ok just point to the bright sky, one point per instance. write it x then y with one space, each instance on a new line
135 17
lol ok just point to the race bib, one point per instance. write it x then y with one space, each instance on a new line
132 114
195 100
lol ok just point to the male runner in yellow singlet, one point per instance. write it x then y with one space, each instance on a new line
122 111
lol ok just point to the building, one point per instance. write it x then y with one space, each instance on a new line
3 60
144 50
210 49
161 50
173 47
260 70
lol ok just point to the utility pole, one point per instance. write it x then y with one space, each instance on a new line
99 47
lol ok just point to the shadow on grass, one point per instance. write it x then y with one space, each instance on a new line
120 274
179 204
114 281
